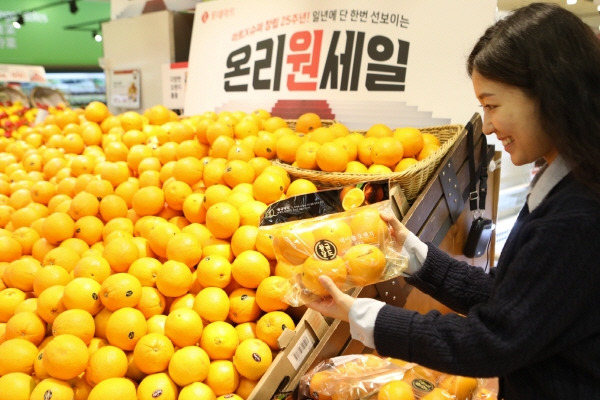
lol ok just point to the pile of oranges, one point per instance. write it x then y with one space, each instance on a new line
131 262
333 148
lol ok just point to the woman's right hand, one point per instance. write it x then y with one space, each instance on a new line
398 231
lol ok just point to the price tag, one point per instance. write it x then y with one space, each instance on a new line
174 79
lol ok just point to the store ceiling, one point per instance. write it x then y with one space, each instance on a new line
584 9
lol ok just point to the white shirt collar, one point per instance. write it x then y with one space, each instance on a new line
545 180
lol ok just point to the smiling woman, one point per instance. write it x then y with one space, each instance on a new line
528 70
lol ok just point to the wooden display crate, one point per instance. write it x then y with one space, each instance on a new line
437 215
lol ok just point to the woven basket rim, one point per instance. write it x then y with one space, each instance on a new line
411 180
363 177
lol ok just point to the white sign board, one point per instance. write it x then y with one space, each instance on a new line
22 73
125 88
388 61
174 79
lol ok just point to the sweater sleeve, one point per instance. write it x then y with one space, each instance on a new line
453 283
543 303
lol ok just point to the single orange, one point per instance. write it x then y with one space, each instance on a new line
50 302
222 219
82 293
16 386
252 358
65 356
367 226
121 253
219 340
306 155
427 150
76 322
60 390
243 306
188 364
271 292
17 355
26 325
114 388
332 157
125 327
57 227
153 352
214 271
184 327
152 302
308 122
212 304
379 130
387 151
96 111
120 290
268 188
313 268
184 247
364 150
48 276
148 200
174 279
405 164
271 325
249 268
145 269
411 139
222 378
188 170
106 362
365 264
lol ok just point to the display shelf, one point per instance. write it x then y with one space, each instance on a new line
437 216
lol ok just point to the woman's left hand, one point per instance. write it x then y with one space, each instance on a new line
337 305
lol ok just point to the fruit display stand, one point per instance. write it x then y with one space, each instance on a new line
437 215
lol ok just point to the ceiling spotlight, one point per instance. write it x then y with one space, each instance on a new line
73 6
97 36
19 22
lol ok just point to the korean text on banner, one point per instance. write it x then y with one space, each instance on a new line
249 55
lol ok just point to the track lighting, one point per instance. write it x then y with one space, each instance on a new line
19 22
97 36
73 6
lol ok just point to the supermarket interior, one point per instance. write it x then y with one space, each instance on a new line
170 170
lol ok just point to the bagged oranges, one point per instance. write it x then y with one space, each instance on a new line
354 248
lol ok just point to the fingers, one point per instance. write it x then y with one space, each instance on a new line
394 222
330 286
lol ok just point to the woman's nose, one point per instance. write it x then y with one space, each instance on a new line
487 127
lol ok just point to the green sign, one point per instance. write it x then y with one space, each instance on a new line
52 36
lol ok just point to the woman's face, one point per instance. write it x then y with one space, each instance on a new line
511 115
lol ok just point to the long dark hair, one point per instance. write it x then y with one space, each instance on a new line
554 57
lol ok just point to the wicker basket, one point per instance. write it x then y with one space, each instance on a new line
411 180
9 95
44 97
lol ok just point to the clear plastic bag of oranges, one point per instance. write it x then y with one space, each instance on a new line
373 377
354 248
350 377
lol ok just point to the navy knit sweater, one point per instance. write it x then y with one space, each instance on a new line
533 321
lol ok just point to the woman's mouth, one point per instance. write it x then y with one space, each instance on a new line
506 141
